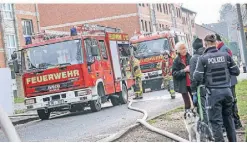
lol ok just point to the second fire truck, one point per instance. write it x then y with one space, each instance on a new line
156 52
87 68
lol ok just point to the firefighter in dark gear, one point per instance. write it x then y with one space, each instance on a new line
214 69
135 64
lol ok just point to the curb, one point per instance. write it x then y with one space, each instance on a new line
24 121
18 115
121 133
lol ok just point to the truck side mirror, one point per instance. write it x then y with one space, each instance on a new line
15 62
14 56
94 50
16 66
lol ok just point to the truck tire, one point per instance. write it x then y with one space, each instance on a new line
95 105
114 101
43 115
123 96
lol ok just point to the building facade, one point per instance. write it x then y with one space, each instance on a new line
130 18
16 22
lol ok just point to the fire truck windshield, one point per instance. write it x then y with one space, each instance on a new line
52 55
151 48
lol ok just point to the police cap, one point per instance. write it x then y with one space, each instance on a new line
210 38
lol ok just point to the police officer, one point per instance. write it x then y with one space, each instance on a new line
135 64
214 69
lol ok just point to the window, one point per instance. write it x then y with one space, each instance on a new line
192 23
11 45
143 5
89 43
160 7
169 7
157 7
140 4
150 26
27 27
7 11
146 28
142 25
103 49
164 8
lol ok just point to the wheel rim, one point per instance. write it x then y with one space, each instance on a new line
98 103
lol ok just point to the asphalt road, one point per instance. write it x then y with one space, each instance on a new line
89 126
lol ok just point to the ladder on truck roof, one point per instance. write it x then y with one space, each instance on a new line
84 30
95 27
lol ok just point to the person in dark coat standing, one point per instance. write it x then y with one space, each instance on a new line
198 51
223 48
214 69
180 74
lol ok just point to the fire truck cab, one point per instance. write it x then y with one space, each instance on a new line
150 50
85 68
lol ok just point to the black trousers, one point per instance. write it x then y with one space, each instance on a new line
235 107
187 97
220 103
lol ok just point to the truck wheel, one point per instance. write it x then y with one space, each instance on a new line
114 101
95 105
43 115
123 96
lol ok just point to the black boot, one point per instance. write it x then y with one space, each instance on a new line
238 125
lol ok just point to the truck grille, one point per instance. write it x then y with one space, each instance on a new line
62 85
148 66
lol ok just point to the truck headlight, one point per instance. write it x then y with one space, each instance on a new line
30 101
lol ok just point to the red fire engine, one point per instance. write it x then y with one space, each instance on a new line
87 68
151 50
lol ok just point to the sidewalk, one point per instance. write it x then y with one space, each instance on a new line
172 122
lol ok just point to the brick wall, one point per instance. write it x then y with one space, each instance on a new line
27 12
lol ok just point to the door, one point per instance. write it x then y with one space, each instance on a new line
106 67
93 62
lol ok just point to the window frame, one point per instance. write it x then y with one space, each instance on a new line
9 47
5 11
103 46
23 23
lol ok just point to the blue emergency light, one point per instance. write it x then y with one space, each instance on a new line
28 40
73 31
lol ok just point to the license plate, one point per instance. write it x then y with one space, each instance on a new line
56 102
153 73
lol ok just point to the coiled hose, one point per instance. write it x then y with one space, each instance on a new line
7 126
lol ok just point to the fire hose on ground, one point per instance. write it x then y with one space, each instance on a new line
7 126
152 128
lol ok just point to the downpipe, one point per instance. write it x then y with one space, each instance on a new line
8 128
152 128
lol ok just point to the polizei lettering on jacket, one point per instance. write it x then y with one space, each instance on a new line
53 76
216 60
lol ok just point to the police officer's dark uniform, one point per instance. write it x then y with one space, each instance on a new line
214 69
